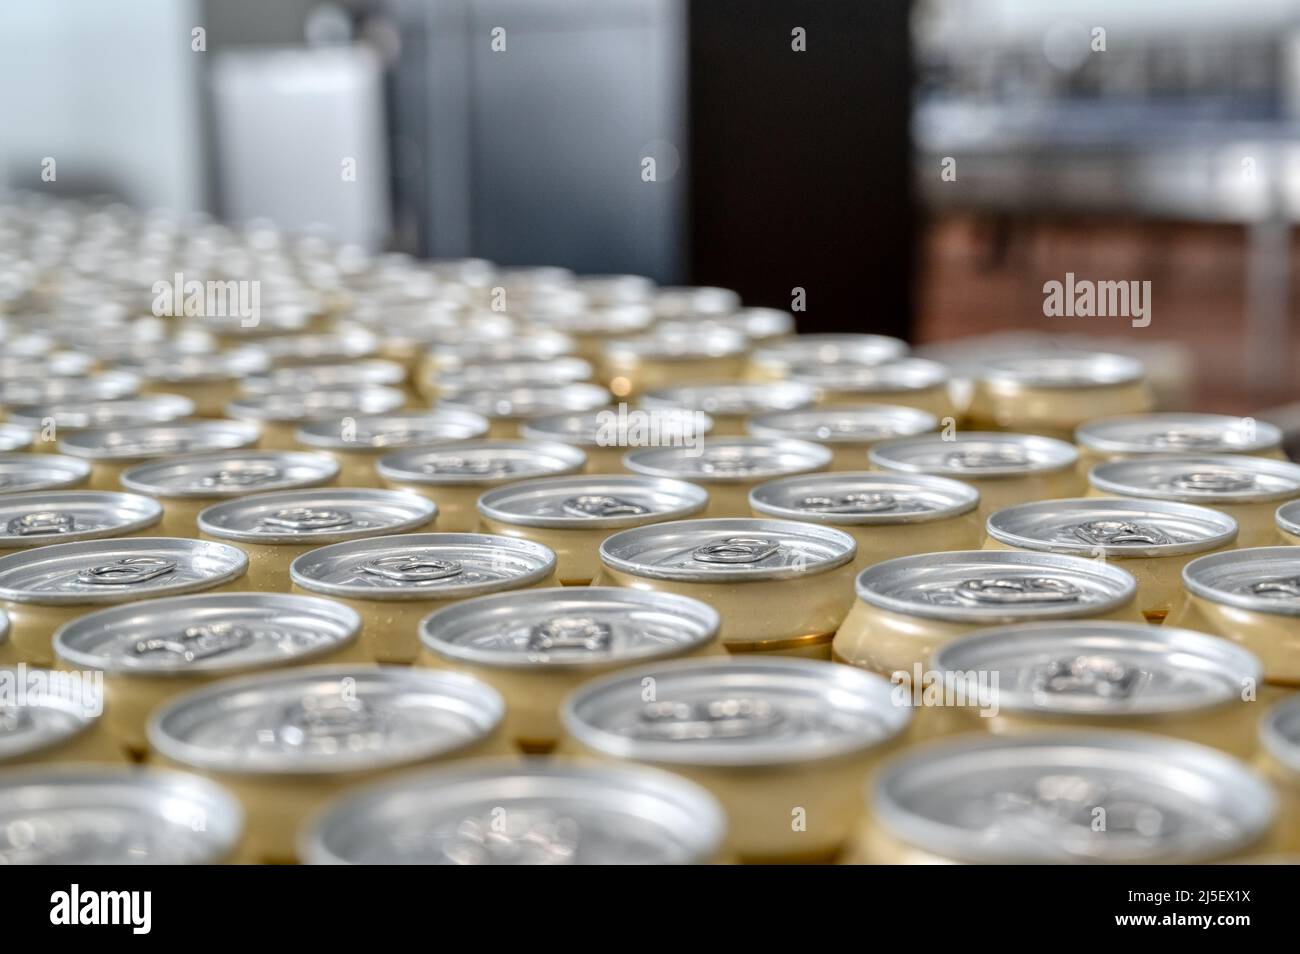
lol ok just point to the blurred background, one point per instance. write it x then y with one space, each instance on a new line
918 169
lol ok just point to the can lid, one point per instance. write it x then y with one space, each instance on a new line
332 377
530 402
1258 579
64 516
514 375
621 427
305 406
106 386
1070 370
1288 518
522 812
844 424
1220 478
212 633
759 324
310 516
674 301
1117 527
732 460
732 399
26 472
15 363
117 571
40 709
601 290
1279 733
834 349
569 627
693 344
1172 433
592 502
995 586
326 720
104 815
1102 668
975 455
14 437
230 473
899 374
344 345
728 550
159 440
378 433
423 566
732 712
124 412
540 345
1035 799
481 463
183 368
629 318
865 498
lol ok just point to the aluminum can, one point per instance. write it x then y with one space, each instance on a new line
511 375
508 408
775 361
1144 435
1287 520
501 346
848 431
687 301
633 366
357 443
111 451
1279 761
69 516
907 382
369 372
211 381
15 437
592 328
49 717
29 473
40 389
731 405
606 435
48 422
280 415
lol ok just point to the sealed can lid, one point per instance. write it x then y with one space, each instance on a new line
343 345
326 720
630 318
866 498
759 324
208 634
514 375
14 437
530 401
1220 478
481 463
602 290
569 626
60 364
687 344
1068 370
1279 732
677 301
305 406
78 815
728 550
146 441
41 709
621 427
834 349
230 473
899 374
124 412
181 368
1288 518
732 399
330 377
379 433
844 424
730 460
540 345
592 502
423 566
734 712
1036 798
1102 668
1117 527
310 516
107 386
522 812
1172 433
25 473
975 455
1258 579
995 586
117 571
65 516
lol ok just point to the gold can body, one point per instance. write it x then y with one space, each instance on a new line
1274 638
1051 412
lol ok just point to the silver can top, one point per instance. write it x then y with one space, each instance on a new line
326 720
514 375
759 324
145 442
328 377
347 344
844 424
316 516
66 516
676 301
107 386
1288 518
1176 433
1067 370
975 455
867 498
286 406
182 368
26 473
15 437
733 460
621 427
535 346
1257 579
995 586
734 400
592 502
495 403
1114 527
125 412
686 344
232 473
900 374
41 709
481 463
1220 478
834 349
735 712
381 433
1279 733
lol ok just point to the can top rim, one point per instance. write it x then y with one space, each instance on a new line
179 477
132 443
328 515
381 433
1068 370
505 461
836 424
889 498
1218 478
732 398
1279 733
56 471
559 503
975 455
1288 517
1258 579
726 460
1119 527
110 514
1177 433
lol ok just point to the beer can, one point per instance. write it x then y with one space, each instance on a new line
1052 394
1041 677
592 328
454 475
522 812
685 301
1248 489
51 717
1066 797
27 473
1152 539
762 326
50 421
1287 519
395 581
69 516
537 647
1006 469
607 434
58 364
274 529
783 744
909 607
107 386
357 443
281 414
506 409
14 437
341 346
84 815
285 743
1251 597
729 467
45 587
368 372
573 515
504 347
604 291
775 361
151 652
731 405
907 382
779 586
211 381
528 375
111 451
848 431
1279 737
1144 435
888 515
633 366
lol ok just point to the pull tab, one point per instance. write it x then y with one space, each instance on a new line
249 476
736 550
1119 533
330 724
1209 482
1062 808
296 519
851 503
1186 437
1100 676
470 466
730 718
520 836
42 522
602 505
570 632
1018 592
127 571
1283 588
198 642
986 459
724 464
411 569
